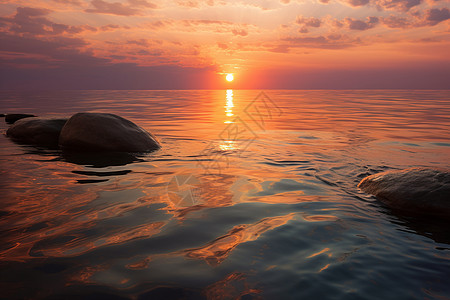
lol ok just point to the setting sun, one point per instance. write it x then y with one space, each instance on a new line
230 77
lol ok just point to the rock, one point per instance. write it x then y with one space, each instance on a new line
417 190
37 131
12 118
94 132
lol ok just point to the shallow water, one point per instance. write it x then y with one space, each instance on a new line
253 196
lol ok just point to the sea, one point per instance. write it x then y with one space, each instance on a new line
253 195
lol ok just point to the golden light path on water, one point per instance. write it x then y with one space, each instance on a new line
229 105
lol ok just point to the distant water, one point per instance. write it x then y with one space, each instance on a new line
253 196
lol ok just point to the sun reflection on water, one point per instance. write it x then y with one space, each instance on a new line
228 145
229 106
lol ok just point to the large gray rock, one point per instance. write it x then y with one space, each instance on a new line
12 118
37 131
418 190
93 132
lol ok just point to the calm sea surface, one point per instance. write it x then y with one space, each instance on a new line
252 196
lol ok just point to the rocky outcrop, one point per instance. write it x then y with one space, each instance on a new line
417 190
37 131
101 132
12 118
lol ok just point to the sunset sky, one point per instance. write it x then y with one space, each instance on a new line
295 44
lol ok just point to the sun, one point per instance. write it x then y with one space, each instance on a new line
229 77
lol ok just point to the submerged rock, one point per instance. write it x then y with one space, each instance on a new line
12 118
93 132
37 131
417 190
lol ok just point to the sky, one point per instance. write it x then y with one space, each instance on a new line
193 44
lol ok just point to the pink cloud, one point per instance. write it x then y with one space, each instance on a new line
118 8
362 25
33 21
358 2
310 22
72 2
51 51
401 5
435 15
431 17
332 41
307 23
396 22
142 3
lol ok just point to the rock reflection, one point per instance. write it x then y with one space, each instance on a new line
433 228
102 160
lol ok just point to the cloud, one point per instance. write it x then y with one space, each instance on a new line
189 4
140 42
431 17
401 5
114 76
435 15
310 22
199 26
358 2
71 2
110 27
206 22
332 41
51 50
142 3
33 21
197 3
222 46
115 8
118 8
219 26
149 53
307 23
362 25
241 32
280 49
396 22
